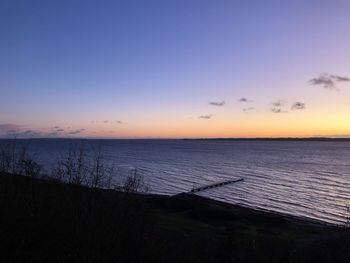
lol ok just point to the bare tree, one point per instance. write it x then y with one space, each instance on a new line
92 170
134 183
13 153
5 158
25 164
98 170
72 167
15 158
58 171
8 156
30 168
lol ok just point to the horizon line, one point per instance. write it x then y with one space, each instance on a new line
182 138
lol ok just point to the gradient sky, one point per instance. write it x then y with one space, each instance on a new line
160 69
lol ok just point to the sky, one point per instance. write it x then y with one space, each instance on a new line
174 69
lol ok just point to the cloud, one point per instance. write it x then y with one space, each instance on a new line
339 78
108 121
206 116
19 131
248 109
243 100
9 130
217 103
27 134
298 106
276 110
63 132
278 106
279 103
323 80
328 81
56 129
6 127
76 131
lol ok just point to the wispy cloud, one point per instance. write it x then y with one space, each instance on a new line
298 106
21 131
108 121
57 129
9 130
9 127
248 109
243 100
76 131
206 116
24 134
279 103
276 110
328 81
339 78
278 106
217 103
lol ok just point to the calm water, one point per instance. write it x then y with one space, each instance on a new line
310 179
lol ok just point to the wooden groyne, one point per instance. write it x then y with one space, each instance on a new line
210 186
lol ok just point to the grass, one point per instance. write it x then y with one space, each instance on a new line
49 221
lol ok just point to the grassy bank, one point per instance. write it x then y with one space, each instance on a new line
48 221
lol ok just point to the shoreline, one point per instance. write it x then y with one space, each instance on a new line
244 210
234 208
47 220
289 139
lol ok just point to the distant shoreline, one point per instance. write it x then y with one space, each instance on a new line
275 139
317 139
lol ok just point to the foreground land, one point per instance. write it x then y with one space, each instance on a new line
47 221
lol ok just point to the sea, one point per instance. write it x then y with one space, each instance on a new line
303 178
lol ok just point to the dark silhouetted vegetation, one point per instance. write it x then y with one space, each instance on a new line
78 215
63 222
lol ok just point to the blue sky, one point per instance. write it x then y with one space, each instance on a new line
155 66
